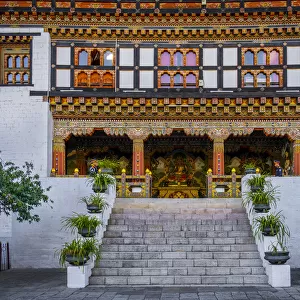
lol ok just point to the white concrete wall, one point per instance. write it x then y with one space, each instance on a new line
289 204
26 123
33 245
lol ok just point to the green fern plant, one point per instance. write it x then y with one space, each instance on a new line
78 251
96 200
272 222
81 223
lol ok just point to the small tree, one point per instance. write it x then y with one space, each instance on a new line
21 191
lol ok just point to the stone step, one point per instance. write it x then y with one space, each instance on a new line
193 220
170 248
178 211
180 280
178 227
179 271
178 241
178 254
173 234
163 204
178 262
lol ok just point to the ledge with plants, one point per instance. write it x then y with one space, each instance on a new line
108 165
95 203
85 225
101 181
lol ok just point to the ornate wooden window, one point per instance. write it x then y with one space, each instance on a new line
108 80
261 80
261 57
165 80
95 57
14 65
82 79
191 58
257 78
165 59
108 58
249 58
83 58
95 79
274 79
274 57
178 80
191 80
178 59
248 80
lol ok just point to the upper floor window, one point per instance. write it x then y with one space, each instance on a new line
165 80
95 58
178 80
178 59
274 57
165 59
248 80
108 58
274 79
261 57
191 80
261 80
16 65
249 58
191 59
83 58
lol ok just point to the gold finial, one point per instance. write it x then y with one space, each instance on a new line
76 172
53 172
209 171
150 173
147 171
123 171
233 170
99 170
257 170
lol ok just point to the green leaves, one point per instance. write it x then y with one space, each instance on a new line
21 191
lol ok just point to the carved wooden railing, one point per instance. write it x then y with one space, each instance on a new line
223 186
129 186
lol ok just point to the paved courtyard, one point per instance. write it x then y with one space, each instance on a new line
47 284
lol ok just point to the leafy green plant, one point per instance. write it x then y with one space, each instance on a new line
249 165
78 251
270 196
107 163
279 246
101 180
96 200
21 191
81 222
258 181
272 222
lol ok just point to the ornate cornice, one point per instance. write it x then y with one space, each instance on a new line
170 108
142 128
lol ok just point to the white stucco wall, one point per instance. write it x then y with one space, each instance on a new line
26 122
33 245
289 204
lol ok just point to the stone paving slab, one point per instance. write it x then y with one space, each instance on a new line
50 284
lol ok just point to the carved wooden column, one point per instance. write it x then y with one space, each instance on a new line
80 162
218 157
296 158
59 156
138 135
218 136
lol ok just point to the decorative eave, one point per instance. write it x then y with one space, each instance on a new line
22 39
194 18
175 108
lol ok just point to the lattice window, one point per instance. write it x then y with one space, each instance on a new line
249 58
83 58
249 80
274 57
261 80
261 57
15 65
274 79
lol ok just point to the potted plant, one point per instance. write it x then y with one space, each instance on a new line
85 225
78 252
270 225
107 165
100 181
95 203
258 182
249 168
278 254
261 200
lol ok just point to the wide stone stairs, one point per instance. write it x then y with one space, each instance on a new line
179 242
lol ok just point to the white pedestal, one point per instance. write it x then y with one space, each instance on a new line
78 276
279 275
136 189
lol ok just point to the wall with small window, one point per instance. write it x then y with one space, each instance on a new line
16 65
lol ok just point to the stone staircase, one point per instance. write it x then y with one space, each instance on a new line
168 242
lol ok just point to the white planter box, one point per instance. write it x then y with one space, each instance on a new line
78 276
279 275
